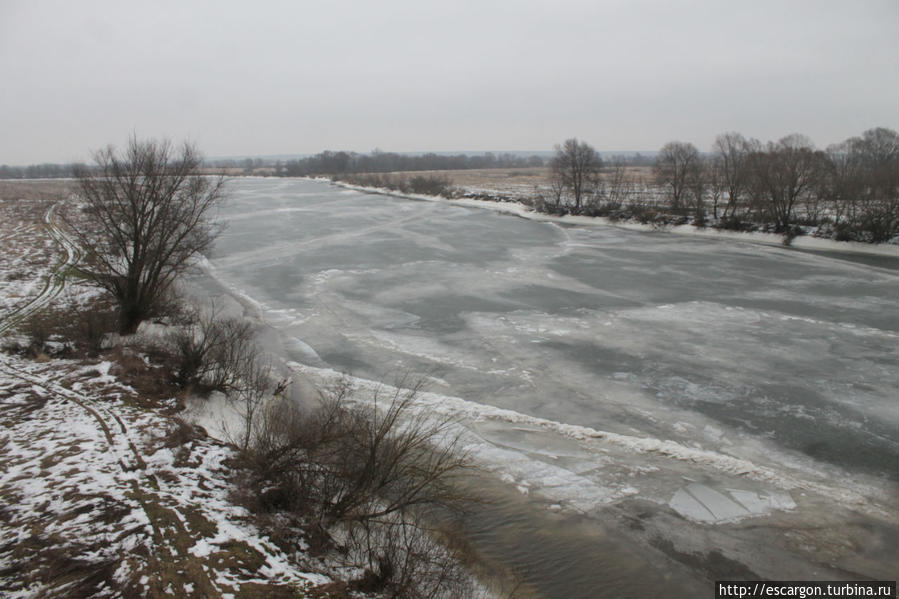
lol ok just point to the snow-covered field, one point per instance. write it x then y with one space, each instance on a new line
726 394
36 254
28 256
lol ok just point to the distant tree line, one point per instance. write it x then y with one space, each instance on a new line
848 191
330 163
327 163
39 171
851 189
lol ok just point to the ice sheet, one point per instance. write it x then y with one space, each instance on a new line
669 353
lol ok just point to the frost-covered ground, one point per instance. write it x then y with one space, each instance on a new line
107 498
36 253
28 256
103 493
711 397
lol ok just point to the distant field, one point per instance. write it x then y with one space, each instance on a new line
518 182
512 181
41 189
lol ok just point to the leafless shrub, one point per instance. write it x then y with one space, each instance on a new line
86 326
146 369
222 355
360 462
181 433
371 471
251 386
92 326
38 328
75 332
400 557
430 185
423 184
212 353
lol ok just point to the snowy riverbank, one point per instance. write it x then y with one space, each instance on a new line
803 242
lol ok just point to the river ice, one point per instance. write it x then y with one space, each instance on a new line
719 378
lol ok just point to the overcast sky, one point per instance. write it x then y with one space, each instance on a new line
300 76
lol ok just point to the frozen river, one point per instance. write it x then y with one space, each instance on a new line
680 382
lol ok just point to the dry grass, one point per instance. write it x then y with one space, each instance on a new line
35 190
518 183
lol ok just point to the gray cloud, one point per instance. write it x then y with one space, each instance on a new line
289 77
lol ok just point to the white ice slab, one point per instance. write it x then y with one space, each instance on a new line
758 503
686 505
721 506
703 504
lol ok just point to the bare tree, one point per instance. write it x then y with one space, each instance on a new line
877 154
841 183
698 184
715 182
677 167
860 185
147 215
879 148
782 174
557 190
253 387
732 151
617 186
575 167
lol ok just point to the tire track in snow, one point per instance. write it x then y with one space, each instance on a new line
145 488
101 414
55 281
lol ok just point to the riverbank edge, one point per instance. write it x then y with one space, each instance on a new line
519 209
